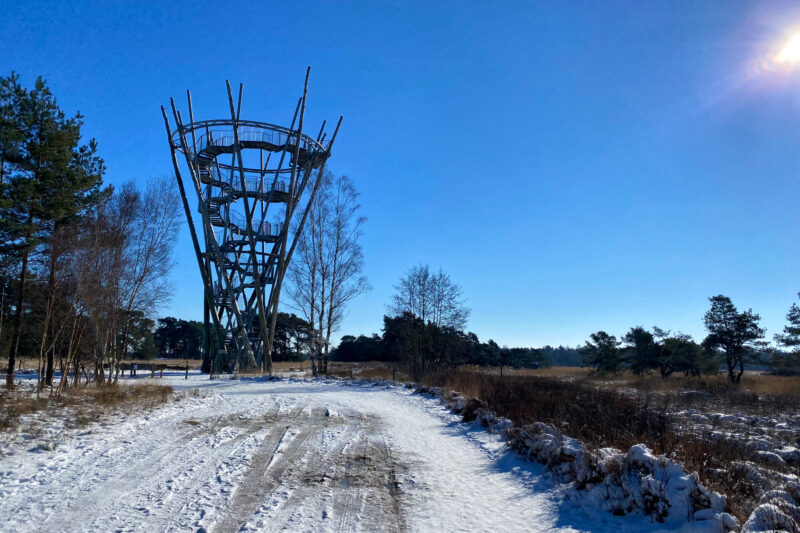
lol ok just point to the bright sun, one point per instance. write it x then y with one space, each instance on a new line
790 53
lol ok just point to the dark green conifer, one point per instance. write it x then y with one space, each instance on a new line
49 179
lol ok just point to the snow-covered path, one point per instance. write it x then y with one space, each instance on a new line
288 455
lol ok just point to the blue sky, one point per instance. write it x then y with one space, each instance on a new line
575 166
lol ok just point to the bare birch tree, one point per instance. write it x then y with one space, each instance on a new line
345 258
327 272
306 270
125 253
101 270
148 254
432 297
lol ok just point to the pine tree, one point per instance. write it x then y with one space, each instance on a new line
680 353
788 362
641 350
49 179
735 334
602 353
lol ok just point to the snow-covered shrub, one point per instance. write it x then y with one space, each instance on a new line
622 482
778 510
471 409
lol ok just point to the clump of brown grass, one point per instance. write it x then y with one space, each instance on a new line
367 370
597 416
14 405
82 404
143 396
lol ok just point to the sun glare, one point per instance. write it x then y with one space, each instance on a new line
790 53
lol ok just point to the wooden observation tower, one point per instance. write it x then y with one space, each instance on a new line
254 184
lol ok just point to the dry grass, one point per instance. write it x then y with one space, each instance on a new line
755 382
140 396
82 405
550 372
31 363
757 393
14 405
291 366
367 370
597 416
280 366
761 384
24 363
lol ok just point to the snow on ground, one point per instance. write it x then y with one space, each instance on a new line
298 455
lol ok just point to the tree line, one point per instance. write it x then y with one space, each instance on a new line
176 338
735 340
424 331
81 264
423 348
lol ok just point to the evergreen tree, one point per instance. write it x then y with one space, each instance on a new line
138 339
788 362
641 351
177 338
408 339
561 356
291 335
361 348
734 334
681 354
11 94
48 179
602 353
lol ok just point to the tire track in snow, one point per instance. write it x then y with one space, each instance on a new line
256 483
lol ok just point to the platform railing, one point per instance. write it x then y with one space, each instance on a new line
255 185
238 222
225 137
